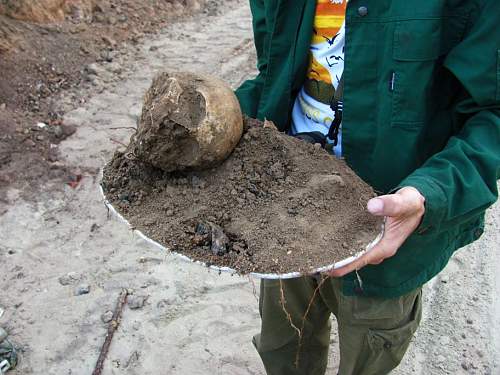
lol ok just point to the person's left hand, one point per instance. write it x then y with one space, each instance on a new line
403 211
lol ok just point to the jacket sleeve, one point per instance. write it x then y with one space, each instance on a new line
460 181
249 92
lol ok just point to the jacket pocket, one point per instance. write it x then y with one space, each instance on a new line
417 40
419 47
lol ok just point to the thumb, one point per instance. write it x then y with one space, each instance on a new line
386 205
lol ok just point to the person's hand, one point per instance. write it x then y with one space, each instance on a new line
403 212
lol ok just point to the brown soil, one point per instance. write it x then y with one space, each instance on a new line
284 205
39 61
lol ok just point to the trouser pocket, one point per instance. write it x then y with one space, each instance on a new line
374 333
388 346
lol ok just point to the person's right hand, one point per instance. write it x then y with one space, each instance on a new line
403 212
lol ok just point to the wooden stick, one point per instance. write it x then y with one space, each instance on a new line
112 327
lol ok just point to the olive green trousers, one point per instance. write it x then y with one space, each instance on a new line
374 333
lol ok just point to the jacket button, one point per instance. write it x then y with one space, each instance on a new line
362 11
423 230
387 345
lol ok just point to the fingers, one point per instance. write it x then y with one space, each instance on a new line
386 205
405 201
356 265
403 211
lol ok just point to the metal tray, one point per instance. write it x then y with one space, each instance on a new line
288 275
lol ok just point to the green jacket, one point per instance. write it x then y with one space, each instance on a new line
437 128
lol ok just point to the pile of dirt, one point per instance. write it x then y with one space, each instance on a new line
47 50
277 204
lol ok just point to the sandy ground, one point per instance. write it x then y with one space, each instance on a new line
193 321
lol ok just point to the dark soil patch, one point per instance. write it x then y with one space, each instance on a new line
283 205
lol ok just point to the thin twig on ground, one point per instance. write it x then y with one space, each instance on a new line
112 327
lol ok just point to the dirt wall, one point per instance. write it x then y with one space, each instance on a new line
43 11
6 34
37 11
33 10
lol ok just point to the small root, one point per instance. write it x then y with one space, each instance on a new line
124 127
304 318
254 289
283 306
118 142
108 212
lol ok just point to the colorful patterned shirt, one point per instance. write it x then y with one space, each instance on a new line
311 111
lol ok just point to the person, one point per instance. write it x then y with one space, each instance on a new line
408 92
